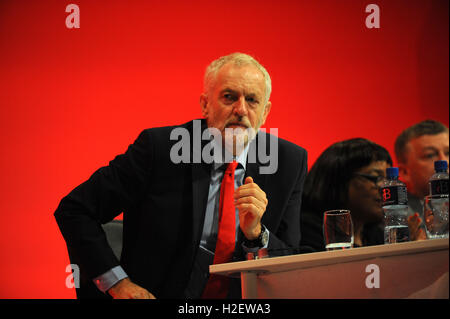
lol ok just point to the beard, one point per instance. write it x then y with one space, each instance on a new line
236 139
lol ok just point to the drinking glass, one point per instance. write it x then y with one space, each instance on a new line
338 229
435 213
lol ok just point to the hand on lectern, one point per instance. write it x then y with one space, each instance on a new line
126 289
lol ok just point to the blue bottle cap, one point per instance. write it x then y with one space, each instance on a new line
391 172
440 166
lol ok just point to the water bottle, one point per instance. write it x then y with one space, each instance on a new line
439 181
437 203
395 206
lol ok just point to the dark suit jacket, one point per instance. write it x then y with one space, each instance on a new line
164 206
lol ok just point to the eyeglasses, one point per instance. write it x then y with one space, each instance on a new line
376 179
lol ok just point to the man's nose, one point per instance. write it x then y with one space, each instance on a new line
240 107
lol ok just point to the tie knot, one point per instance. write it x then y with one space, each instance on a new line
231 167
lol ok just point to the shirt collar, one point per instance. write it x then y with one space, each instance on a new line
241 158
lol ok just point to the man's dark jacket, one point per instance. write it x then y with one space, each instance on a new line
164 206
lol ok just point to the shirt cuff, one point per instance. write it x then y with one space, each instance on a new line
255 249
110 278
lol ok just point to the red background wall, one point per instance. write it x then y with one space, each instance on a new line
72 99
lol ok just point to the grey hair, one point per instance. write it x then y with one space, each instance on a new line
238 59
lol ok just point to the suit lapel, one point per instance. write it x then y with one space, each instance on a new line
201 176
252 168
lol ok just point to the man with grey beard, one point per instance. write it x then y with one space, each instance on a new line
172 208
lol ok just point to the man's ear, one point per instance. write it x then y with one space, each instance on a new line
204 105
403 172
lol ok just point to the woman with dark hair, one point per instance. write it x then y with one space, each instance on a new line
347 175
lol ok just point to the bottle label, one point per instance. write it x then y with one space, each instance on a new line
394 195
439 187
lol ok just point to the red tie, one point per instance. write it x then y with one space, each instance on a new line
217 286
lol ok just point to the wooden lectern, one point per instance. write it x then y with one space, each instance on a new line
405 270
